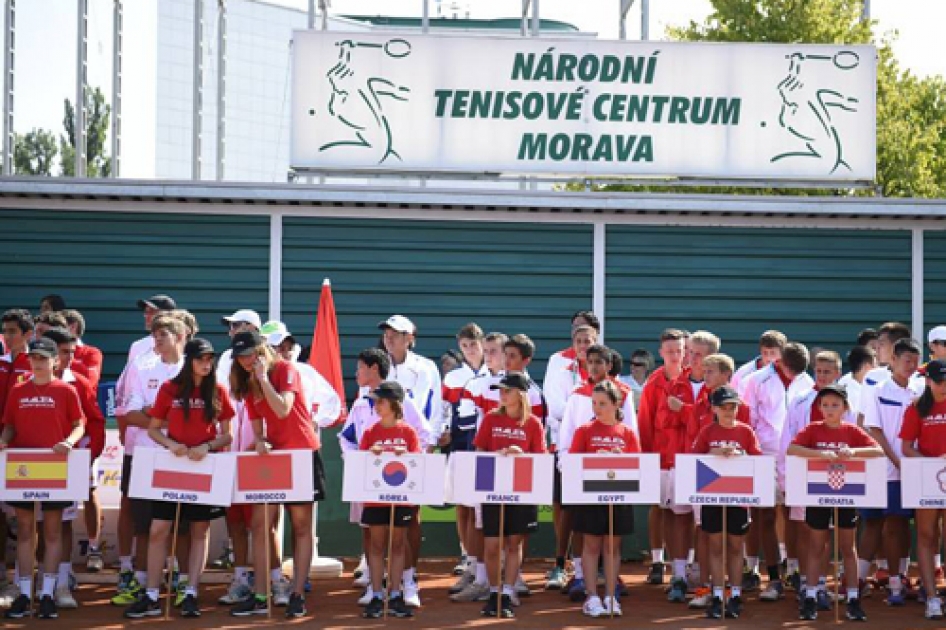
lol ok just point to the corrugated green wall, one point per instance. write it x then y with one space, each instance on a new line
934 274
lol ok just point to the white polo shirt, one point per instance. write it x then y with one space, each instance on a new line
142 380
883 407
421 378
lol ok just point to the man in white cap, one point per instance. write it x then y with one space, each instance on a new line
240 321
936 339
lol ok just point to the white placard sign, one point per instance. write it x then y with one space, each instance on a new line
924 482
860 483
158 474
493 478
276 477
42 475
411 479
747 481
582 107
630 478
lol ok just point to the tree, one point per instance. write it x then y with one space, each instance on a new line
97 125
911 112
35 152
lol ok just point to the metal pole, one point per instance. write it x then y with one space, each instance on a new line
311 22
82 51
645 20
221 88
9 51
523 27
117 32
425 17
535 18
323 6
198 88
622 17
865 15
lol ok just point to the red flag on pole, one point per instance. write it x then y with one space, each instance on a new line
326 353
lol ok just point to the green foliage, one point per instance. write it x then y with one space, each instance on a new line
97 126
34 153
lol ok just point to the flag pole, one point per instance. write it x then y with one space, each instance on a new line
609 565
174 530
499 569
725 563
267 585
837 579
390 546
37 579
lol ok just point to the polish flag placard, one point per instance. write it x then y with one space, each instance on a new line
158 474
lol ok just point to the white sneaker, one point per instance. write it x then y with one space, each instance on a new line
612 606
772 593
934 608
64 598
521 588
365 599
361 568
474 592
281 592
702 599
362 580
514 599
9 594
411 595
237 592
466 578
593 607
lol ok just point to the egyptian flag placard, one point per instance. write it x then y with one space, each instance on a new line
410 479
716 480
858 483
275 477
42 475
158 474
492 478
622 479
927 487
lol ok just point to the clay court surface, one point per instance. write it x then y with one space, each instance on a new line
332 605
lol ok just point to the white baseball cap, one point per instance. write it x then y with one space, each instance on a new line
937 334
275 332
245 315
399 323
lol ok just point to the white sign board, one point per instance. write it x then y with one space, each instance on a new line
860 483
411 479
493 478
747 481
158 474
277 477
924 482
409 102
589 479
42 475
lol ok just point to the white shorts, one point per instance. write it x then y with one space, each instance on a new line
667 502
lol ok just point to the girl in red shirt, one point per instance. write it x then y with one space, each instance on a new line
389 435
924 435
196 411
604 434
509 430
275 403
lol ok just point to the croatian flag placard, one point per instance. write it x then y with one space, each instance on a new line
927 486
716 480
273 478
410 479
622 479
42 475
158 474
836 483
494 478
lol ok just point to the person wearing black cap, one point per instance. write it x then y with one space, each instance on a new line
510 430
831 439
391 434
149 308
728 438
196 411
924 435
41 412
275 402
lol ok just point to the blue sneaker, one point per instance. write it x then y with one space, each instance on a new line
678 590
308 585
822 599
896 599
577 591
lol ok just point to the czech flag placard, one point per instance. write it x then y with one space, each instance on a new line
42 475
610 478
409 479
860 483
715 480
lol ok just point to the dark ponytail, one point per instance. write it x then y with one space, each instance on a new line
924 404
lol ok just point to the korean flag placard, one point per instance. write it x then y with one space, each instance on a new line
411 478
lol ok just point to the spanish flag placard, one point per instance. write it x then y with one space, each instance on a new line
42 475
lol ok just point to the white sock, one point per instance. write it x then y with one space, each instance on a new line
507 590
736 591
190 589
275 575
718 592
752 563
65 569
938 560
152 594
882 564
141 577
657 555
49 584
895 584
679 568
241 574
691 556
408 576
579 574
26 587
470 564
811 592
183 578
853 593
782 552
863 568
793 565
126 563
904 565
481 577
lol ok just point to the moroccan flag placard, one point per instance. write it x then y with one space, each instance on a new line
158 474
273 478
858 483
492 478
42 475
410 479
714 480
621 479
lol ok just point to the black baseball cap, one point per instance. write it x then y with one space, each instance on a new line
245 343
160 302
512 380
198 347
389 390
44 347
724 395
832 389
936 371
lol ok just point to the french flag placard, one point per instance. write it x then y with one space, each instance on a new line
493 478
860 483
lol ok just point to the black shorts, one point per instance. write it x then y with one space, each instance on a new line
737 520
404 515
143 512
126 475
45 506
166 511
593 520
318 481
517 520
819 518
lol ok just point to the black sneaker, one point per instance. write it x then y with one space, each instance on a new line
397 608
734 607
854 610
252 605
47 608
492 604
144 606
190 607
656 575
809 609
505 607
374 609
296 606
715 610
21 608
